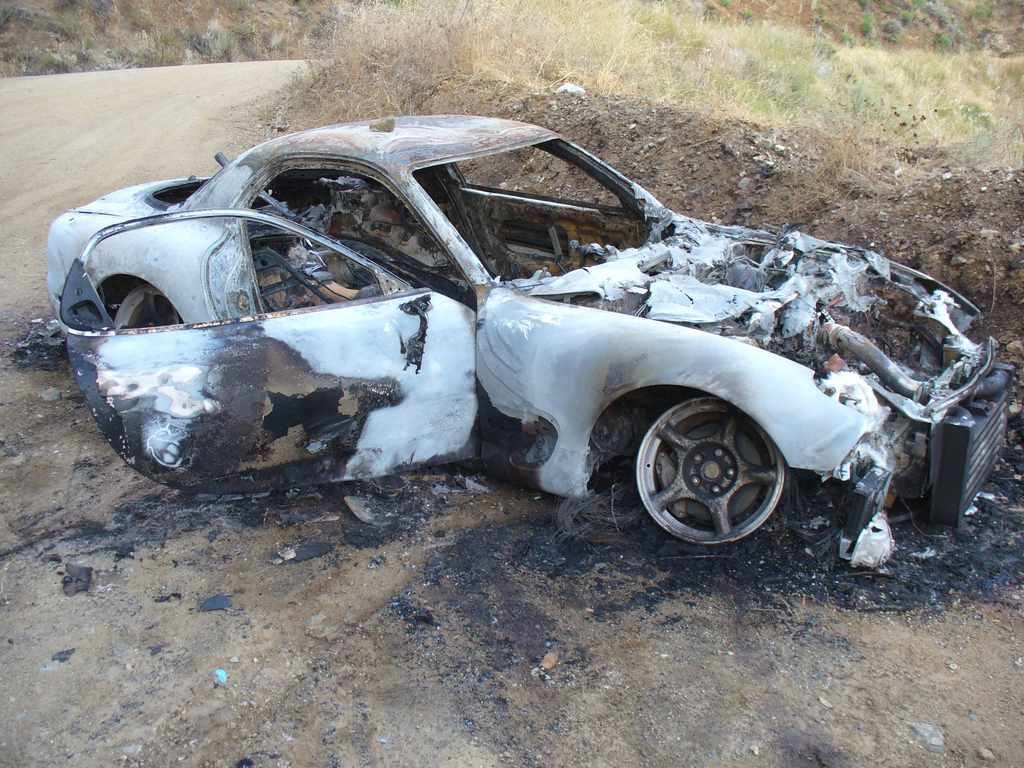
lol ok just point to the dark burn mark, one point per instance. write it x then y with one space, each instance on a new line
316 412
237 446
414 346
510 449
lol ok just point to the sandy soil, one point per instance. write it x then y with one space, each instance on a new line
459 631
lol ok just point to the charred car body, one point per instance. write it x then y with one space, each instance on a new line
353 301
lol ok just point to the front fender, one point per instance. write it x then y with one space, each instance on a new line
568 363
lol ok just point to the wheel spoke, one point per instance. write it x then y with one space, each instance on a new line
149 314
729 427
674 437
759 475
675 491
719 509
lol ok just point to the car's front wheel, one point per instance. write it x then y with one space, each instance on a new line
707 473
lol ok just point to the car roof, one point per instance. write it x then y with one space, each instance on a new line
412 141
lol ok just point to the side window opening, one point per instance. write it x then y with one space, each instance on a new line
533 211
534 172
359 213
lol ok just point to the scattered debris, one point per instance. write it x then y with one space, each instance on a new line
157 649
550 660
474 486
219 602
925 554
571 89
360 507
415 616
166 598
63 656
930 736
307 550
77 578
599 516
875 544
460 485
42 347
376 562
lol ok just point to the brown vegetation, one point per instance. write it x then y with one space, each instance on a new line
49 36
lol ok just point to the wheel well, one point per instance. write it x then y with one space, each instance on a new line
115 288
618 430
622 424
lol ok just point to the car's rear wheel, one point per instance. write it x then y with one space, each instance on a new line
707 473
145 307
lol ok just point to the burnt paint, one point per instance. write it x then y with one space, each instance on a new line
235 449
415 345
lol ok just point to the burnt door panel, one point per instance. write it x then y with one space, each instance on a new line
347 391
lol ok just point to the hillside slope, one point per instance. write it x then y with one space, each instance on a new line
50 36
996 26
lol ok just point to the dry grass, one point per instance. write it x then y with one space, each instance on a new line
50 36
391 57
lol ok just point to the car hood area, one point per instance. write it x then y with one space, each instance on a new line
870 329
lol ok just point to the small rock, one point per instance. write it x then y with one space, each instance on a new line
986 754
572 89
745 183
550 661
77 578
219 602
306 550
1015 350
947 176
51 394
930 736
958 261
62 656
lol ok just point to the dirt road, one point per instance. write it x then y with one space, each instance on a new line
456 629
66 139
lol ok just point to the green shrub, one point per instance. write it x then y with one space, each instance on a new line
867 26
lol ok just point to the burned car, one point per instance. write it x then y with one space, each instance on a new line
360 299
